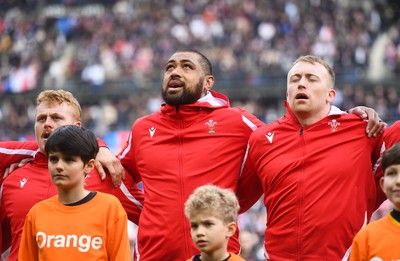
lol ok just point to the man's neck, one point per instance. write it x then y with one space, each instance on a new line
307 119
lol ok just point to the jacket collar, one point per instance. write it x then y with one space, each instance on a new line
334 112
40 159
213 100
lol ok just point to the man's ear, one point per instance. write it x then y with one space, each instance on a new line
331 95
208 82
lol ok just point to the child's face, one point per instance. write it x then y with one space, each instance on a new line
68 171
390 184
209 233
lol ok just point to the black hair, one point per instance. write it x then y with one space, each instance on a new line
73 140
205 63
391 157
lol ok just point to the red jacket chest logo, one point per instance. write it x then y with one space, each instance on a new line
211 126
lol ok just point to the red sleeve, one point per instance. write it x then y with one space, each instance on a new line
127 158
101 143
253 119
15 151
129 194
131 198
391 135
249 185
249 188
5 230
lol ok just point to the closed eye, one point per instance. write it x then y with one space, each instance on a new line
294 78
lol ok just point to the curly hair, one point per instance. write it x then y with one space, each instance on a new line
222 203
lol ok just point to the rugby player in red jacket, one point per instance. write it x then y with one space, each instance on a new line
195 139
32 183
316 169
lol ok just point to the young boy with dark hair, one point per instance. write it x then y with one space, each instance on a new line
379 240
77 224
212 213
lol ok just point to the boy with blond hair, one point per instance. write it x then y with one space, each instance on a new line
212 213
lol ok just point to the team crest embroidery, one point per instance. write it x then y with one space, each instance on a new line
211 125
334 125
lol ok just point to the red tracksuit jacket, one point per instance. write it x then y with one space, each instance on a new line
318 183
30 184
178 149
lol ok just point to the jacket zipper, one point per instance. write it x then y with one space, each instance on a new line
181 175
300 199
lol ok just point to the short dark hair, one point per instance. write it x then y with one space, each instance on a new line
205 63
391 157
73 140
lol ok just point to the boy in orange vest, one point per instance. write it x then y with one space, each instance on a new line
77 224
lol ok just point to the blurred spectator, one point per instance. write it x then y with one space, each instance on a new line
127 38
94 74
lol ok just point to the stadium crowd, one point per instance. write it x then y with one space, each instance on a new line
63 45
251 40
